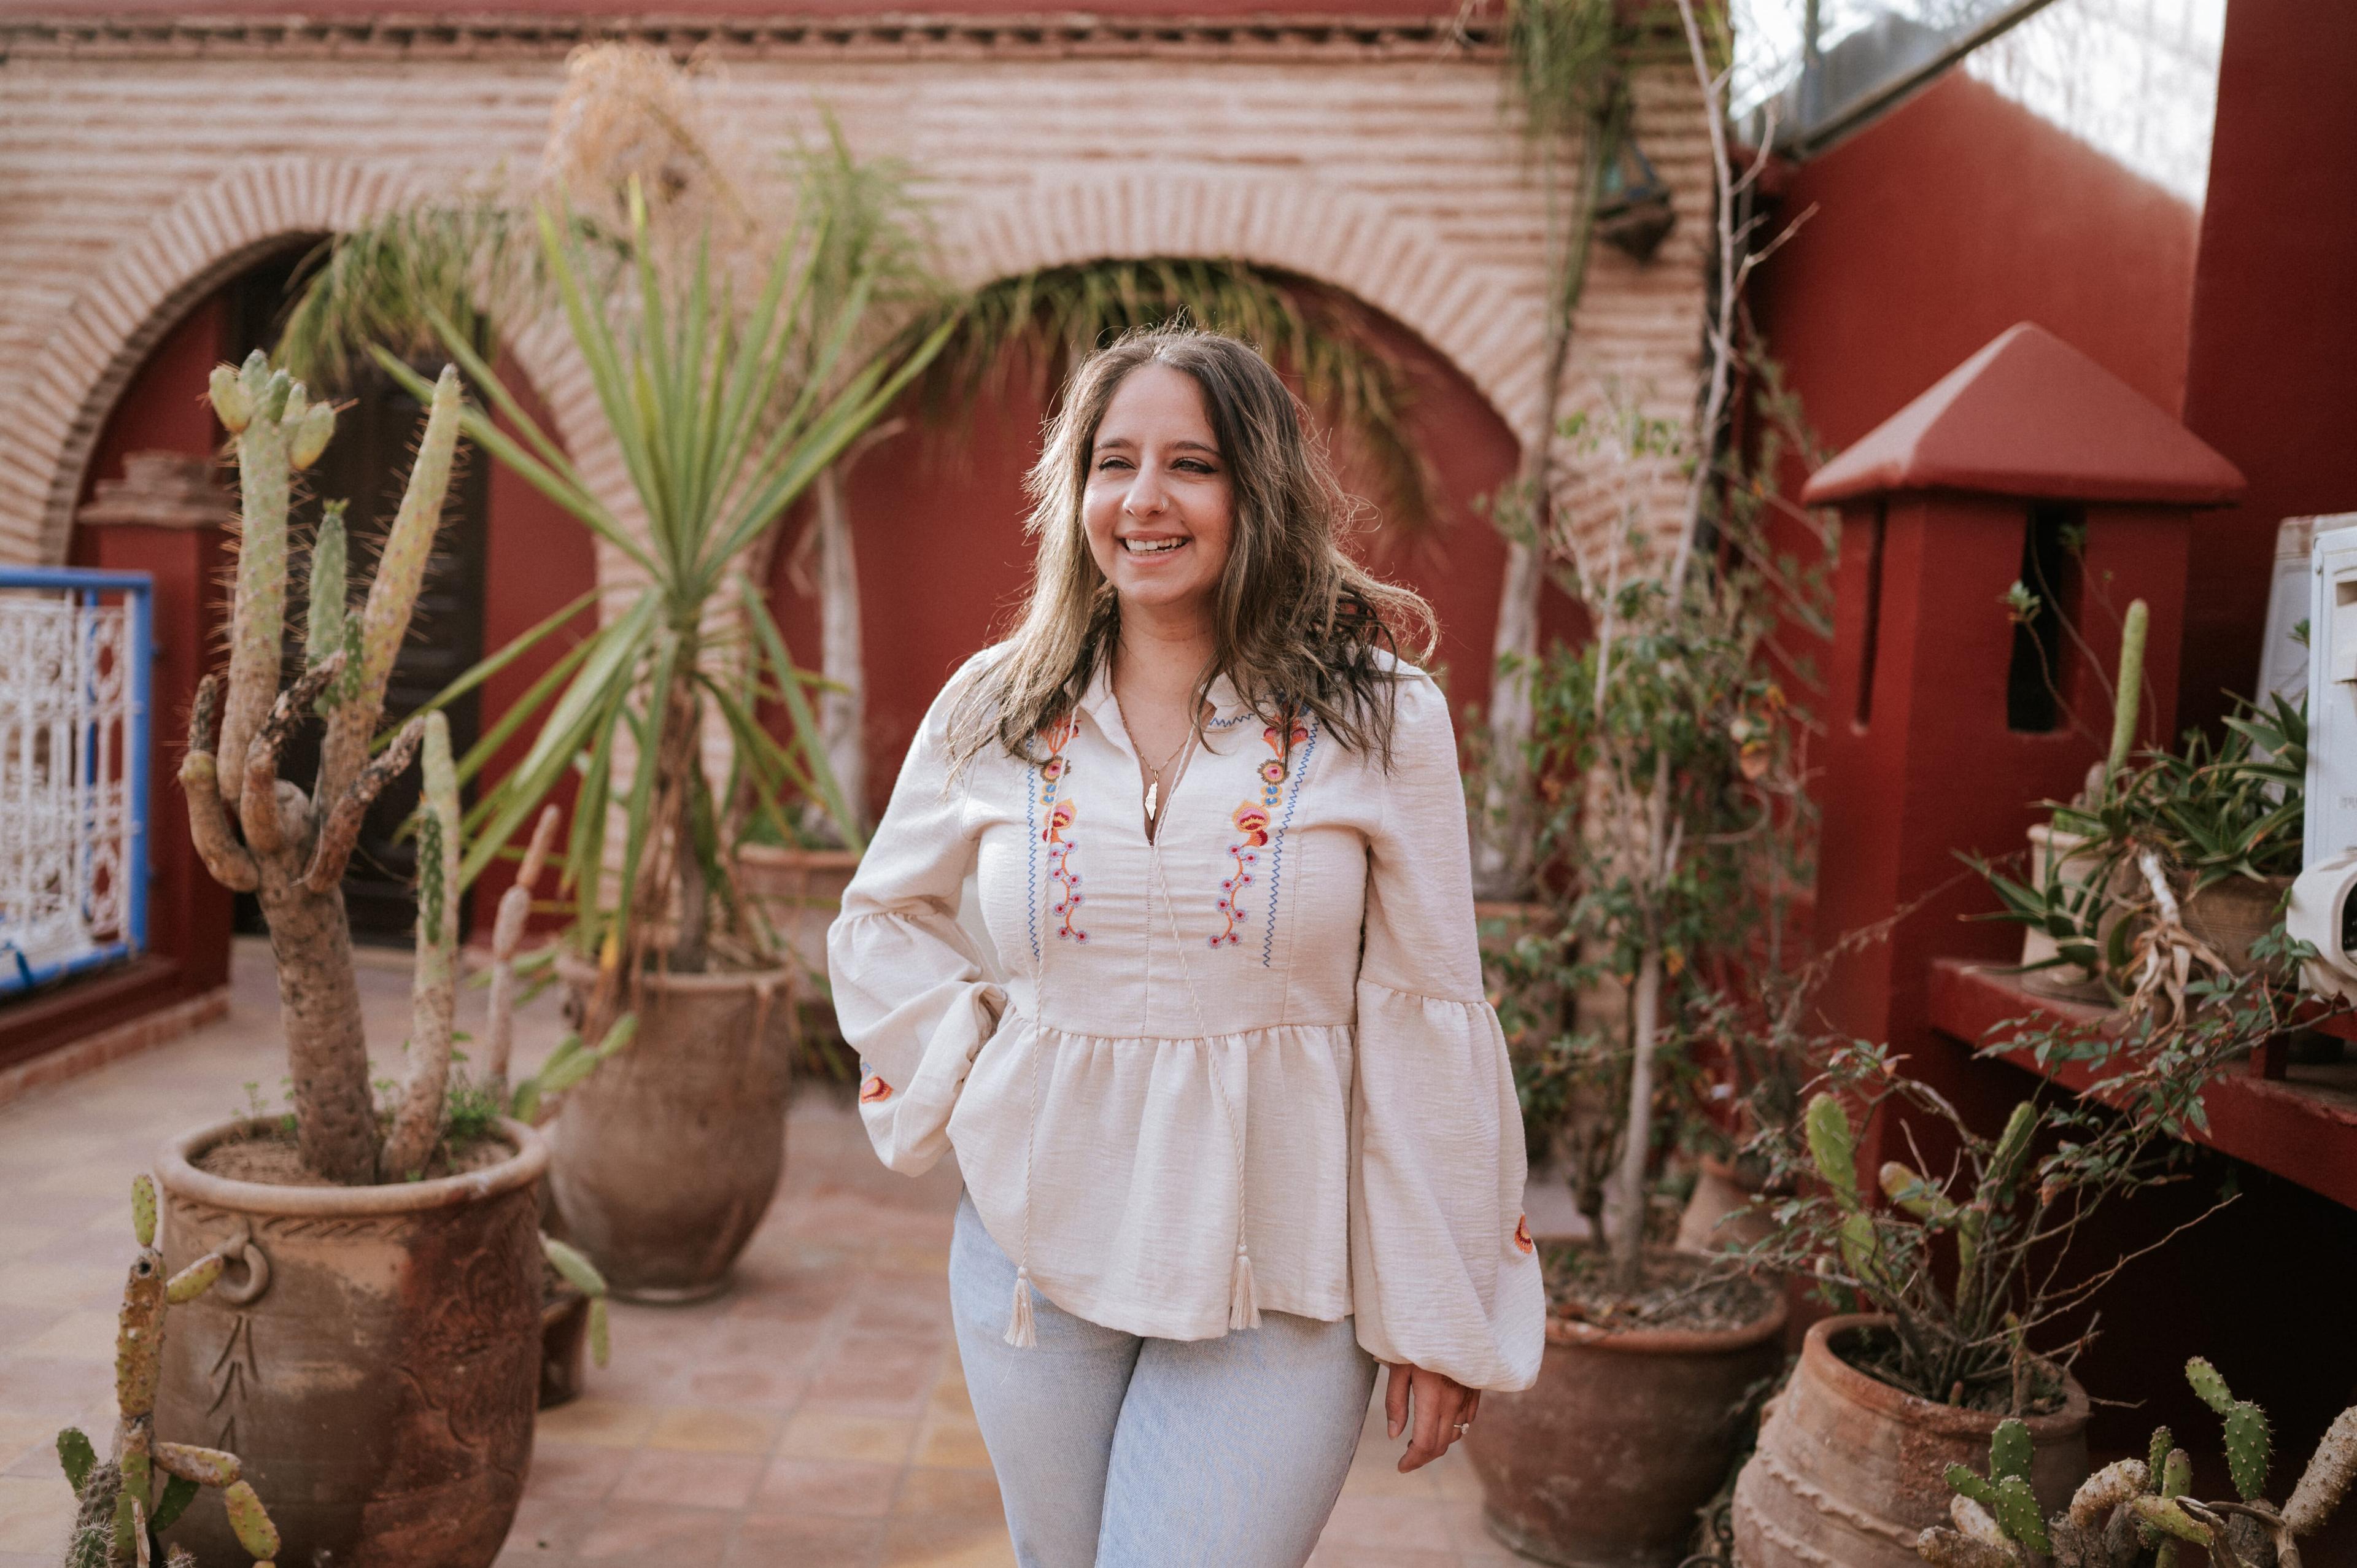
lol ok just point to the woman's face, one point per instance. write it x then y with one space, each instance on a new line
1159 507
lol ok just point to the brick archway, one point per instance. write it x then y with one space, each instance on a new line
1470 311
150 281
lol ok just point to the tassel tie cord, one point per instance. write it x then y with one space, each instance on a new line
1244 1304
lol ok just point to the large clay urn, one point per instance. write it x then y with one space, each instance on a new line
668 1155
371 1355
1850 1470
1602 1463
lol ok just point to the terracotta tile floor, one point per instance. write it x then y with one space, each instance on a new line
814 1414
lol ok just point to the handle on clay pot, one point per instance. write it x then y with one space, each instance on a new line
243 1248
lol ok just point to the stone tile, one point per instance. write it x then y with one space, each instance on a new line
1399 1524
84 1335
947 1540
45 1385
868 1371
34 1515
596 1419
707 1429
948 1491
828 1487
689 1480
19 1325
832 1435
753 1388
1362 1556
23 1432
951 1443
791 1540
547 1527
643 1534
573 1471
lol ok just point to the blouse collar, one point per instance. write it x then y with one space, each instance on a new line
1097 701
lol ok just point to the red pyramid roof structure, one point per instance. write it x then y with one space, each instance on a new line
2031 415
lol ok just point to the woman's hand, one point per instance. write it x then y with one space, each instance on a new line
1438 1406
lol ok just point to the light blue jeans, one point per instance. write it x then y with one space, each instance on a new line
1115 1450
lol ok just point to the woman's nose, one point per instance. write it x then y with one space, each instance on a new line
1148 492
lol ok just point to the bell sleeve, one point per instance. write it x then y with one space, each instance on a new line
1443 1272
911 991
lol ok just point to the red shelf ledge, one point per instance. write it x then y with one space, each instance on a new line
2301 1126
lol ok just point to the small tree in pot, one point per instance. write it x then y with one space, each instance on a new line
366 1294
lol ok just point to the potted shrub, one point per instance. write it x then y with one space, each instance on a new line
2141 1514
1670 816
383 1277
724 411
1945 1329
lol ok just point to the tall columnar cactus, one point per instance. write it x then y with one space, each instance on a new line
264 835
2140 1513
434 984
122 1507
507 935
2127 697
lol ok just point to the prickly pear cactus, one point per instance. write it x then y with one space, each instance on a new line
121 1509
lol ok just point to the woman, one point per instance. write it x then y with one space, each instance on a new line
1238 1123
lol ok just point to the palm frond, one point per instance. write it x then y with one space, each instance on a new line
1034 327
1562 62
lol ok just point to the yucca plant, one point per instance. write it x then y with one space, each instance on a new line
719 436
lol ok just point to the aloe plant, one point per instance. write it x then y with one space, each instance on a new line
724 413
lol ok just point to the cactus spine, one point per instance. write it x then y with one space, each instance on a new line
259 832
121 1507
433 985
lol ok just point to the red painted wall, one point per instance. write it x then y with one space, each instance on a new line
539 560
2272 378
330 9
937 513
163 409
1946 222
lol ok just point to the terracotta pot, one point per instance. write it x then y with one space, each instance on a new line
1720 1212
2054 852
1849 1470
802 891
373 1356
563 1345
668 1155
1602 1463
2229 916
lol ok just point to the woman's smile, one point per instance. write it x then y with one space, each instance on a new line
1159 504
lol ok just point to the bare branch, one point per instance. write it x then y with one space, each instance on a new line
258 797
340 829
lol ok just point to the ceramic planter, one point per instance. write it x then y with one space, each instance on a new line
2229 916
563 1345
2055 853
1719 1213
802 891
1602 1463
668 1155
1850 1470
372 1355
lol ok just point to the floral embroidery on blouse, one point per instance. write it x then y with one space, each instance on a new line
1523 1234
1059 813
1252 820
874 1089
1251 823
1303 738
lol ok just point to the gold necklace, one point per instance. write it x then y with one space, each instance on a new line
1154 785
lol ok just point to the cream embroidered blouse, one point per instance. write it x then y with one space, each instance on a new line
1249 1066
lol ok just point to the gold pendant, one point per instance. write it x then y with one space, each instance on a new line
1151 791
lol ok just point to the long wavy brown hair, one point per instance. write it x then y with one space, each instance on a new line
1297 625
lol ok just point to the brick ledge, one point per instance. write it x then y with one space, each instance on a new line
78 1058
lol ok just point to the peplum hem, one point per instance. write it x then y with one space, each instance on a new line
1129 1186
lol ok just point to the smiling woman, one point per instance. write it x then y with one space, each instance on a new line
1226 1146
